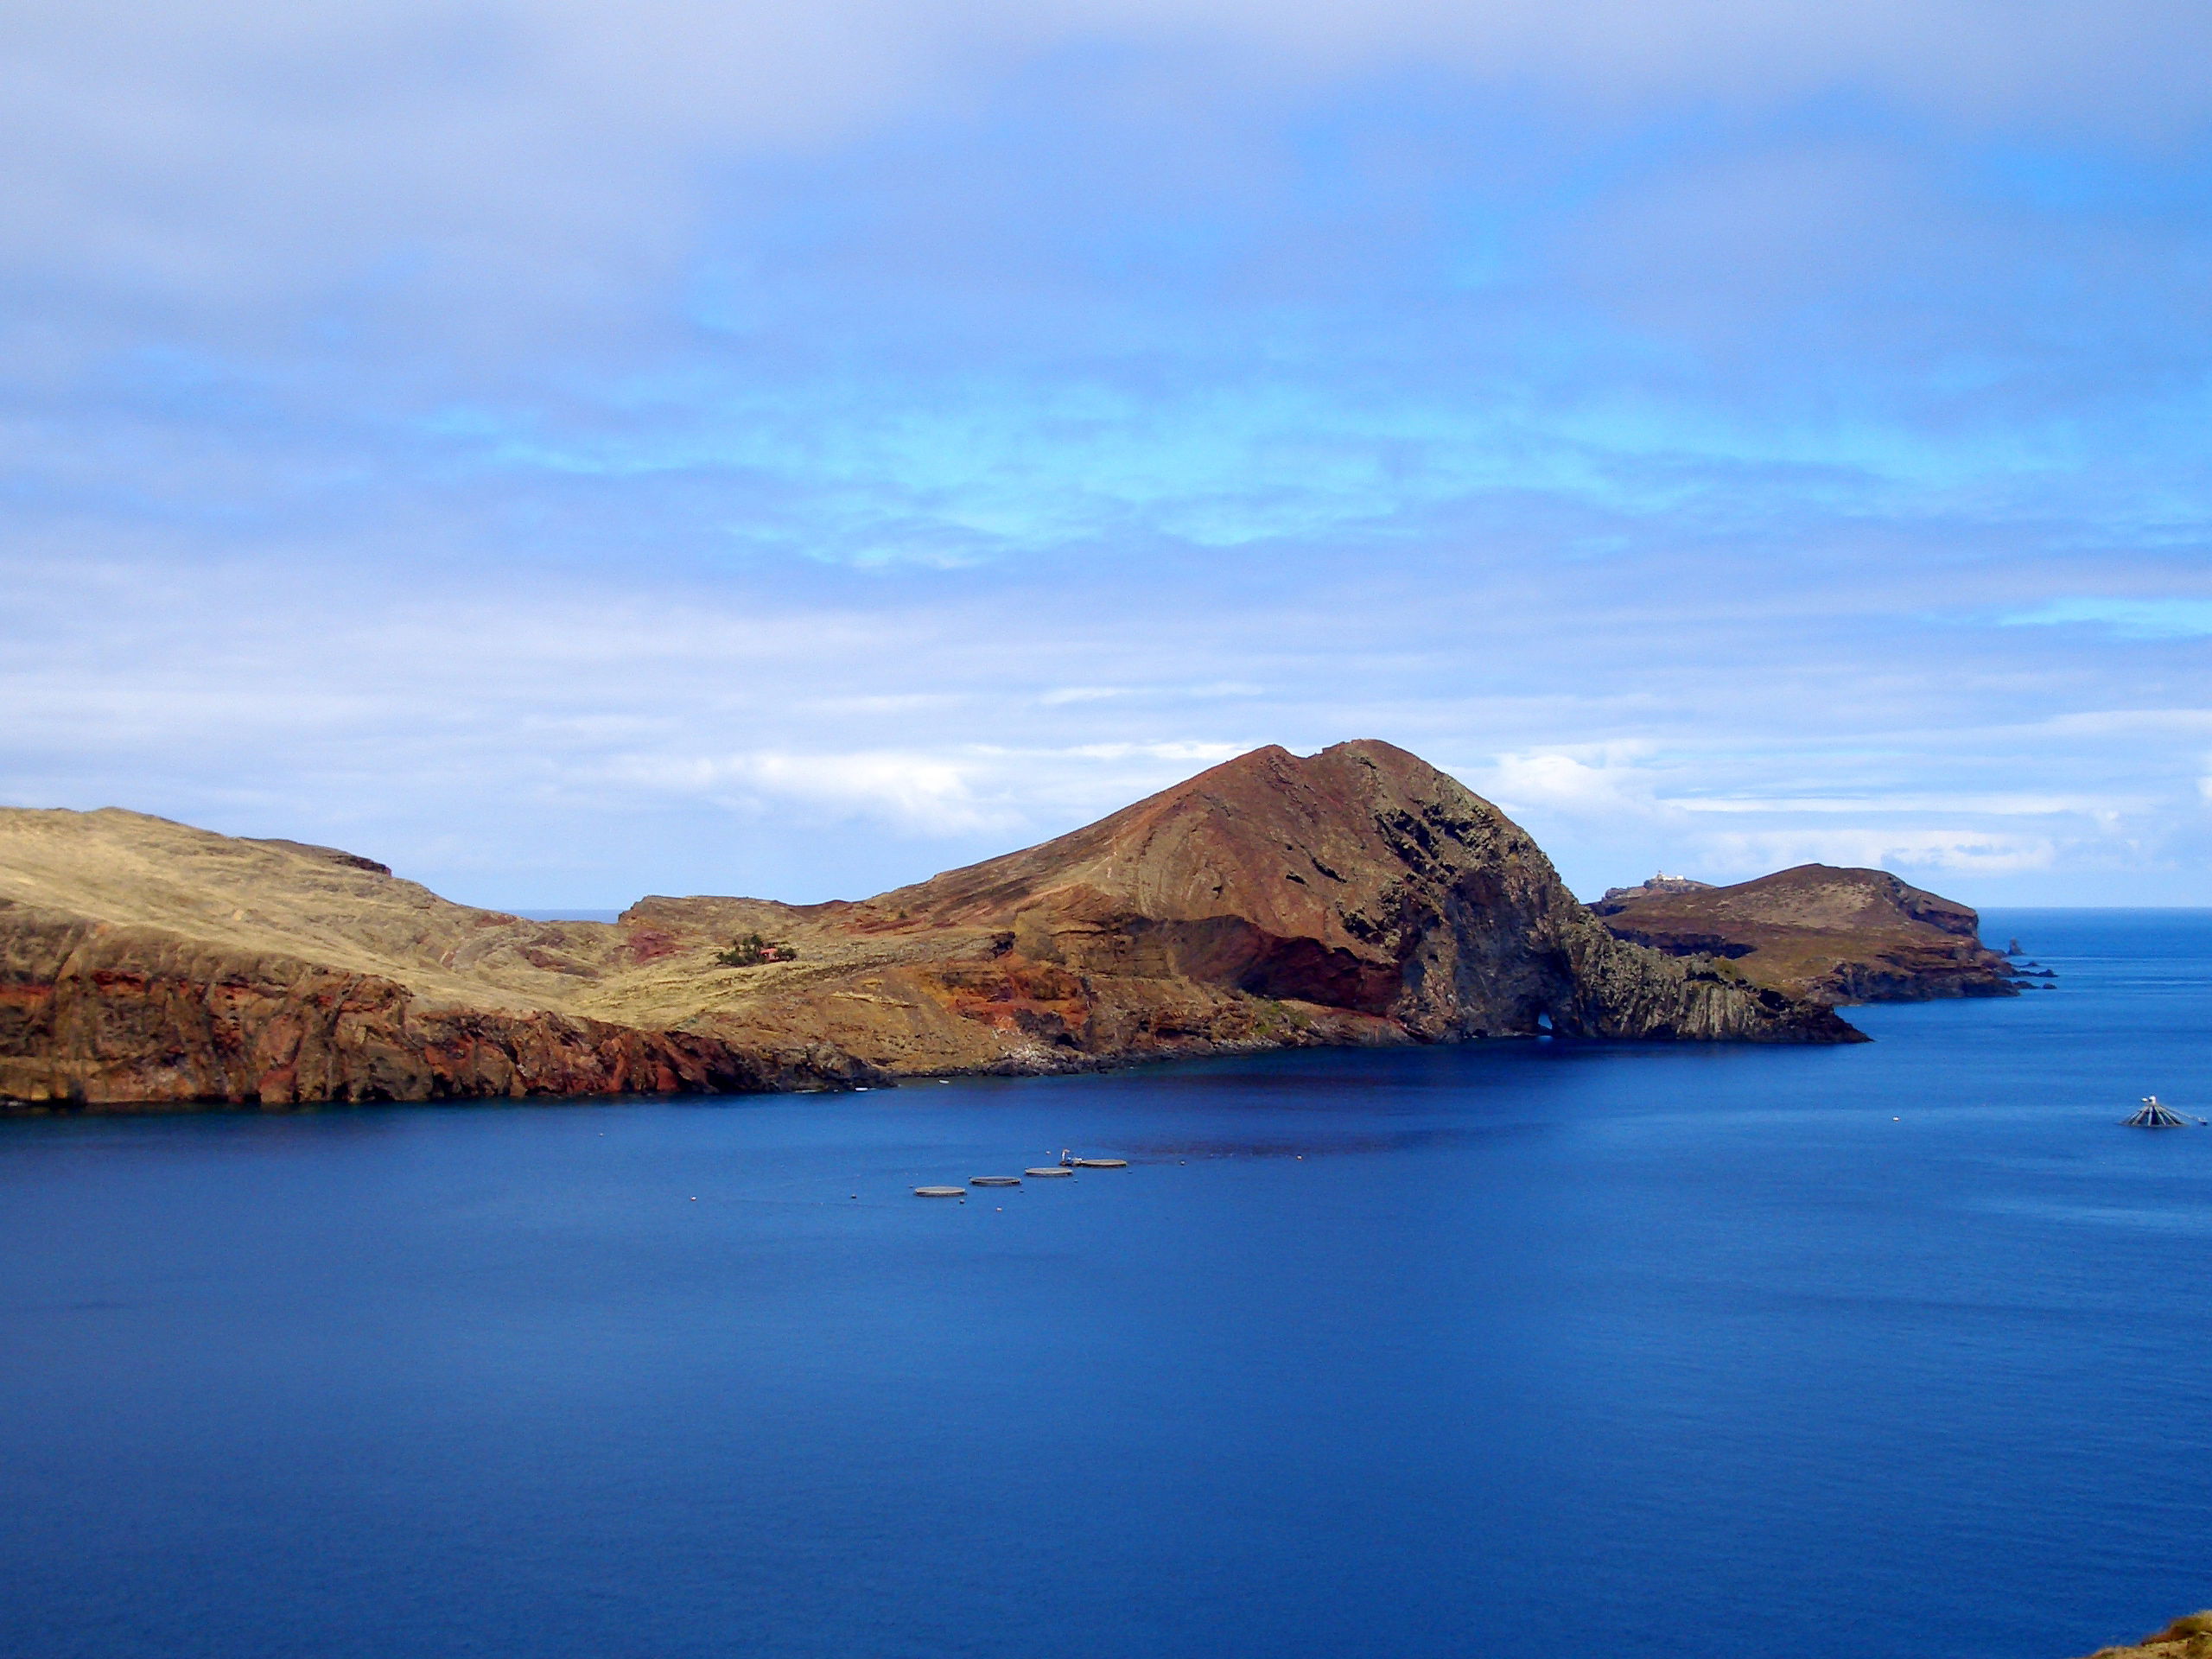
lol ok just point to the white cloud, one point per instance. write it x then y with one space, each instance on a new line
973 789
1203 754
1613 813
924 794
509 202
251 150
1961 851
1558 782
478 729
2125 723
1906 802
2172 618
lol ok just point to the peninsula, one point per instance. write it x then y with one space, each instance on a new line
1356 896
1832 935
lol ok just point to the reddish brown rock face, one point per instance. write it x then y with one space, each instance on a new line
1361 880
650 944
1356 896
118 1017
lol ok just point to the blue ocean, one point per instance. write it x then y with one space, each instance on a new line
1513 1351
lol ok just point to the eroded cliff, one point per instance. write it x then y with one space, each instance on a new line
1818 932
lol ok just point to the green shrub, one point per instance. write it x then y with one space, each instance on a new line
750 951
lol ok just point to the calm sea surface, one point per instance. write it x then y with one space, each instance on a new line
1898 1350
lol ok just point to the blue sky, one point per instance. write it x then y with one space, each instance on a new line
570 453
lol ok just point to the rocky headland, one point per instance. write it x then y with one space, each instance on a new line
1356 896
1835 936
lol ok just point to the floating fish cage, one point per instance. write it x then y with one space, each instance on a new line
2155 1117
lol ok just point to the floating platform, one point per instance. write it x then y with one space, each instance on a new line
1098 1163
940 1191
1048 1172
2156 1117
994 1180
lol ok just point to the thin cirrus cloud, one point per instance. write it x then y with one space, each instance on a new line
732 446
2134 618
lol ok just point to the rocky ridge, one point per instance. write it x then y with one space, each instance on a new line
1354 896
1836 935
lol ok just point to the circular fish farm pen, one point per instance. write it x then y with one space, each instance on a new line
940 1191
2155 1116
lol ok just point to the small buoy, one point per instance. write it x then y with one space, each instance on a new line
994 1180
940 1191
1099 1163
694 1200
1048 1173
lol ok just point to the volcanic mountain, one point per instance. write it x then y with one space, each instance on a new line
1354 896
1833 935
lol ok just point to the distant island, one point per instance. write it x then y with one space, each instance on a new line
1835 936
1356 896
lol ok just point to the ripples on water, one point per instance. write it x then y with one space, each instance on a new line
1876 1351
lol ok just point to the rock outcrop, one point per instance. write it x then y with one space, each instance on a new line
1833 935
1354 896
2185 1639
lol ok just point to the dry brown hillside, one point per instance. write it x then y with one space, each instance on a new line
1834 935
1354 896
